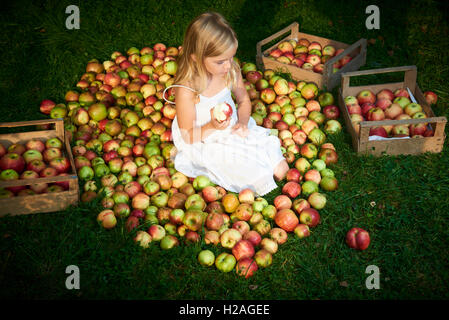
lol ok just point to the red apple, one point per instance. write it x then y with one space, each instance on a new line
331 112
378 131
12 161
375 114
291 189
253 236
302 231
222 112
354 108
401 93
392 111
431 97
46 106
282 202
286 219
385 94
366 96
310 217
279 235
243 249
367 107
383 103
357 238
246 267
293 174
62 164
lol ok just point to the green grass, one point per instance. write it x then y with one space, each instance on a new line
401 200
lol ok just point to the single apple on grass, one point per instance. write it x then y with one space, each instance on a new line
310 217
229 238
243 249
225 262
206 258
169 242
279 235
246 267
286 219
253 236
358 238
302 231
431 97
107 219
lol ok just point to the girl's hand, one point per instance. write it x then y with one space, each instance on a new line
240 129
218 125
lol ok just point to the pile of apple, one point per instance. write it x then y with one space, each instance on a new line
123 151
31 160
307 55
389 105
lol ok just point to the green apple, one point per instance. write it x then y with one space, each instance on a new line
225 262
326 99
169 242
206 258
200 182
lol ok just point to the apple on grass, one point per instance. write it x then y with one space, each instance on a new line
168 242
358 238
243 249
253 236
431 97
206 258
279 235
107 219
302 231
246 267
331 112
310 217
229 238
225 262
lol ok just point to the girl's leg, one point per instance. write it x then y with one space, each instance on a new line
281 170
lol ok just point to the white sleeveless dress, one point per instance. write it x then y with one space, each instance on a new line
230 161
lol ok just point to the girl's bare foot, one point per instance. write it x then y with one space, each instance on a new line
281 170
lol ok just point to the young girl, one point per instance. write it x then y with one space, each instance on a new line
235 154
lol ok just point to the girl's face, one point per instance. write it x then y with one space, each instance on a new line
220 65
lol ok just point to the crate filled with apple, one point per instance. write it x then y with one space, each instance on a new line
392 118
311 58
123 151
37 172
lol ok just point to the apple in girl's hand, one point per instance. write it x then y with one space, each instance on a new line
357 238
222 112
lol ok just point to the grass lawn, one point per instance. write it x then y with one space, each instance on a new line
402 201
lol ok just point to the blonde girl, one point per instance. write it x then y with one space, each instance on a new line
235 154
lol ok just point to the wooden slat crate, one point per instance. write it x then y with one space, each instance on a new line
45 202
408 146
327 79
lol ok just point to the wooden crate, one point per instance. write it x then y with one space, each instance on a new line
406 146
328 80
46 202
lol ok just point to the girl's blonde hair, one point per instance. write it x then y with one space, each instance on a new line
209 35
